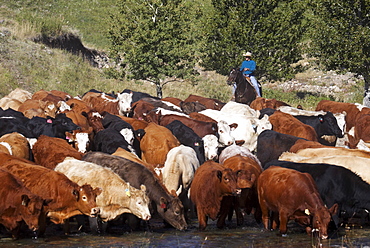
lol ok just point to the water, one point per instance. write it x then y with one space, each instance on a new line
251 235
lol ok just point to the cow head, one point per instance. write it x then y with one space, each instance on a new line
224 132
79 139
86 199
62 124
210 146
124 103
94 119
139 202
228 182
321 219
172 211
31 209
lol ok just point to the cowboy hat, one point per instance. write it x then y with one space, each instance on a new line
247 54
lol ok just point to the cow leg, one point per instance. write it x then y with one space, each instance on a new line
283 218
265 215
94 225
15 231
42 225
202 219
81 225
66 227
226 207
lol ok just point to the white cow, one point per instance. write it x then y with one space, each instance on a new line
244 129
124 103
179 168
117 196
358 165
239 108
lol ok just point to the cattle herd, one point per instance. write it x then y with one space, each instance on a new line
99 156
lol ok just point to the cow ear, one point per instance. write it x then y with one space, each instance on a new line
233 126
173 193
98 191
25 200
219 175
333 210
76 194
143 187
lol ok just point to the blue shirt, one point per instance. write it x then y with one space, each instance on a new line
248 64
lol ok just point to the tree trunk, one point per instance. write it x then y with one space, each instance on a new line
159 90
366 100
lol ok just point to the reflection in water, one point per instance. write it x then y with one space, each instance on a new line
252 235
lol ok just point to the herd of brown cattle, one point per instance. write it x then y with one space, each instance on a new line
54 178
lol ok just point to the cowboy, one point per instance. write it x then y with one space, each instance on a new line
248 67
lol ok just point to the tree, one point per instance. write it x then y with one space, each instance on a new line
340 36
271 30
154 41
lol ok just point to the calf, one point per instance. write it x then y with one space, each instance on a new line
211 183
108 140
67 198
288 193
287 124
169 207
18 204
351 192
49 151
117 196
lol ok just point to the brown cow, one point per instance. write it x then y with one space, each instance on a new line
17 204
201 117
49 151
211 183
291 194
102 102
67 198
209 103
287 124
201 128
135 123
302 144
247 169
261 103
156 143
44 108
173 100
8 102
140 109
16 144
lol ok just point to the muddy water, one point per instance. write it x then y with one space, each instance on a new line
251 235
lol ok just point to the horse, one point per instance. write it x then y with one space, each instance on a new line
245 91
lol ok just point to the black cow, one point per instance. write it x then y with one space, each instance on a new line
14 121
336 184
169 207
188 137
324 125
108 140
52 127
271 144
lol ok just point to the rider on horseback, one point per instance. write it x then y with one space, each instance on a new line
248 67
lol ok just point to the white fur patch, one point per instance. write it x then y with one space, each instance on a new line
7 146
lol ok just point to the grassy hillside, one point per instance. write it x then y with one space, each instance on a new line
33 66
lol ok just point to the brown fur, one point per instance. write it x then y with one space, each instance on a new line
261 103
97 102
49 151
211 183
17 204
201 128
156 143
287 124
18 143
68 198
209 103
302 144
287 192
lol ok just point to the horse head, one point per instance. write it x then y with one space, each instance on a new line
232 76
